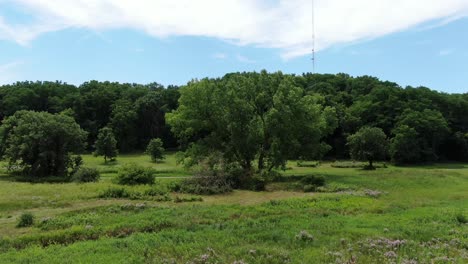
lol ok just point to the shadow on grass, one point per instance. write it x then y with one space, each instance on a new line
435 166
21 178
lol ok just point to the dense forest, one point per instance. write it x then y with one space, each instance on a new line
422 125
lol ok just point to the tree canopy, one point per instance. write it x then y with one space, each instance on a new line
369 144
251 117
40 143
137 113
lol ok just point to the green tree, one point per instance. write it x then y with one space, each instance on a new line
40 143
155 149
369 143
249 117
405 146
123 124
427 128
106 144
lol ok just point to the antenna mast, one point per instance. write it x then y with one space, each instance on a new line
313 37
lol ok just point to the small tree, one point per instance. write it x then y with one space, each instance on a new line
369 143
155 149
106 144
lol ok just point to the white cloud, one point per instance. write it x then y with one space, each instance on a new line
282 24
244 59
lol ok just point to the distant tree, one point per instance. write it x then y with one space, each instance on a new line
123 124
424 131
369 143
155 149
106 144
405 145
40 143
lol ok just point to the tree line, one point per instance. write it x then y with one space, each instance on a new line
257 119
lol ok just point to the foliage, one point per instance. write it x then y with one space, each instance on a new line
123 123
251 117
136 112
211 177
133 174
84 174
115 192
418 136
40 143
369 143
106 144
25 220
155 149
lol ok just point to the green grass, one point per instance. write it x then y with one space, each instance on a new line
425 206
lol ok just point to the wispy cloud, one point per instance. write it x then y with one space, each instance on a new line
445 52
8 71
220 56
285 25
244 59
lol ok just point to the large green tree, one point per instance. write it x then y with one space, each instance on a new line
40 143
369 144
251 117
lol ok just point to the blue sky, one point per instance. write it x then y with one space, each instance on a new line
418 43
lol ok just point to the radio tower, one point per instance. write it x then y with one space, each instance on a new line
313 37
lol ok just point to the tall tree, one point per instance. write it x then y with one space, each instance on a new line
249 117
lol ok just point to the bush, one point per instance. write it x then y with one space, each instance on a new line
25 220
207 185
179 199
461 219
113 192
84 174
312 182
133 174
210 178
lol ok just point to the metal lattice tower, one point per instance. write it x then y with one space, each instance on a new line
313 37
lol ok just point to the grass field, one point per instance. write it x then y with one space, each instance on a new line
391 215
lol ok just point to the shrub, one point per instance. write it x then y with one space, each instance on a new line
309 188
113 192
84 174
308 164
179 199
461 218
210 178
133 174
313 180
205 185
304 236
25 220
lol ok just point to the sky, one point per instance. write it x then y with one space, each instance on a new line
417 42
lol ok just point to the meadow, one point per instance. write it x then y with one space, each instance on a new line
415 214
